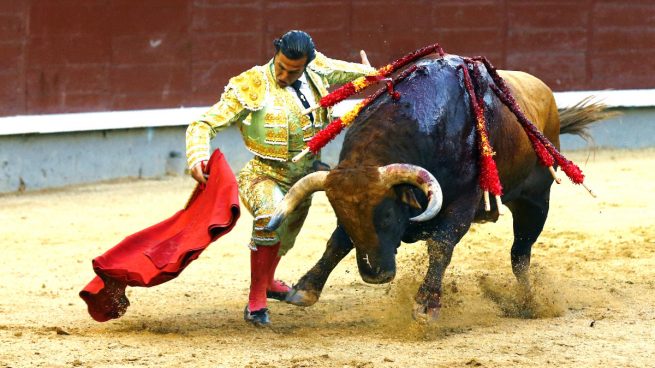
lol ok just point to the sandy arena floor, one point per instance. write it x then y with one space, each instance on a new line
594 271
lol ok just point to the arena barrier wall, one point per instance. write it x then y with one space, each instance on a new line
48 151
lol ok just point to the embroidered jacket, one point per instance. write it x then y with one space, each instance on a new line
264 110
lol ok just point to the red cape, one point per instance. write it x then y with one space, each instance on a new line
161 252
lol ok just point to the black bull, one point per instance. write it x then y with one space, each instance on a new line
430 131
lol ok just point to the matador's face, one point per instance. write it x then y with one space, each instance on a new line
288 70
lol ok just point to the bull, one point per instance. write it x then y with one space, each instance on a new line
408 171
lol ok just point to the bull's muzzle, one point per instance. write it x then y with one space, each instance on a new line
374 270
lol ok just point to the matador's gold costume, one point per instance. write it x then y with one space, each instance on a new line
272 128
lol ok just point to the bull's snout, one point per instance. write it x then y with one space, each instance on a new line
380 278
376 271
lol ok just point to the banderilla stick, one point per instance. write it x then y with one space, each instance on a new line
554 174
310 109
589 190
302 153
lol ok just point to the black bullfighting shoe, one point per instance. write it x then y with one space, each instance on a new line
258 318
278 295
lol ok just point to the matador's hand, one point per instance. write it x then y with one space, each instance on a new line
198 172
364 58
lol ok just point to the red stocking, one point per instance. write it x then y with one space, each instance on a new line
261 261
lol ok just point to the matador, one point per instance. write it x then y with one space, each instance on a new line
266 102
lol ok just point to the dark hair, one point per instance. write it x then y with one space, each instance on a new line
296 45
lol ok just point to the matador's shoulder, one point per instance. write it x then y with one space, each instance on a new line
250 87
321 64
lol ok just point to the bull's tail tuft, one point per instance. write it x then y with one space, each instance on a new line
577 118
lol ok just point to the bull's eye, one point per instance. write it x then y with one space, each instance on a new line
387 219
387 215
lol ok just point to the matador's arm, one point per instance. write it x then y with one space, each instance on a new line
336 71
200 132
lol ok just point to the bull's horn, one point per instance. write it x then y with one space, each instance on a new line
307 185
393 174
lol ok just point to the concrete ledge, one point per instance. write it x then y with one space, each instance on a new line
627 98
38 161
87 121
61 123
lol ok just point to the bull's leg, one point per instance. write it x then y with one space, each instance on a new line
428 297
449 232
308 289
529 216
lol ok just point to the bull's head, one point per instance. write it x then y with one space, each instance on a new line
371 208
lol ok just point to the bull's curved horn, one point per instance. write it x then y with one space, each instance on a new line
307 185
393 174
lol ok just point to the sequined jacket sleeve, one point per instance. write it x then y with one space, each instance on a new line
225 112
337 71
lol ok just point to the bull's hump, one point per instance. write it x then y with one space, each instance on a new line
523 82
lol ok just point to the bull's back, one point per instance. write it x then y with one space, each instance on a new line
536 100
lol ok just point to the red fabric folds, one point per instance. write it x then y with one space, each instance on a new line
161 252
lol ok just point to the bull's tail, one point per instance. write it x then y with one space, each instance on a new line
577 118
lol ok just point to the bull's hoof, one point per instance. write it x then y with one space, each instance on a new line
424 314
302 298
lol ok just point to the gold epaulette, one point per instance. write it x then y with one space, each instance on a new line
250 87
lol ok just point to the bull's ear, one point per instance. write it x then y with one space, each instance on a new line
407 196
